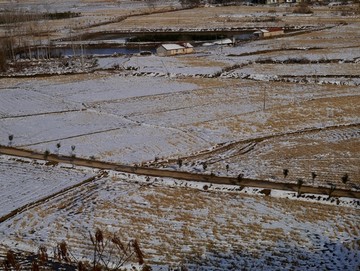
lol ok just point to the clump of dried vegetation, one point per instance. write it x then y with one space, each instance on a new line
108 254
3 62
303 8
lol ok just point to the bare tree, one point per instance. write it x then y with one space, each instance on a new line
345 178
58 145
3 58
179 162
285 172
332 189
46 154
11 137
300 182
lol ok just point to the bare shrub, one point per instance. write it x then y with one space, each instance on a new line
179 162
35 266
42 254
313 176
109 253
46 154
190 3
265 60
303 8
345 178
285 172
300 182
297 60
10 262
3 60
61 252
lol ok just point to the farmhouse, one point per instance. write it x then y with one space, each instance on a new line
174 49
269 32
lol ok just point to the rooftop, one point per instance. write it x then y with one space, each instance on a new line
172 46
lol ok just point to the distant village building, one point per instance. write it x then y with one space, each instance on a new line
269 32
174 49
219 42
269 2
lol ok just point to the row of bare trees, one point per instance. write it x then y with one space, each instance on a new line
345 178
19 35
25 35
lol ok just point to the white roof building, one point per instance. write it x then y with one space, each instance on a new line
174 49
169 47
219 42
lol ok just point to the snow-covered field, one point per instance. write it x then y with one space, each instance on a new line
15 103
25 181
203 229
166 108
93 130
329 153
303 117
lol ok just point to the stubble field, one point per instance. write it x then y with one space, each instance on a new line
273 111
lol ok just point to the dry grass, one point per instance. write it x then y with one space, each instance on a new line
194 18
333 69
282 118
226 17
200 17
77 77
330 154
178 214
70 78
206 82
198 61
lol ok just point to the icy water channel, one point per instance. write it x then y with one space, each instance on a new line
111 44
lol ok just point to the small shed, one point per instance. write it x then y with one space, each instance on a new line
261 33
269 32
188 48
228 42
174 49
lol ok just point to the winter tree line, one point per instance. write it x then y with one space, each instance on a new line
23 31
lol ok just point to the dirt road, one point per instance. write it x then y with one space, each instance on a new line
243 182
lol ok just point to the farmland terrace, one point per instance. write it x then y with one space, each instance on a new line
233 157
211 233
